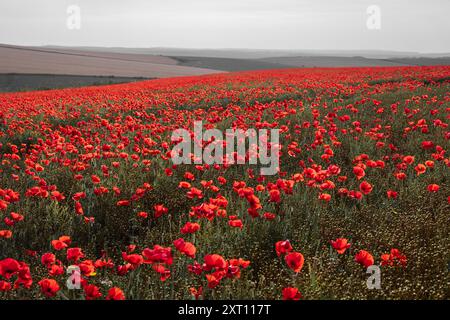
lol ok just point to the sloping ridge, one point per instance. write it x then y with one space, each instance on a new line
32 60
356 61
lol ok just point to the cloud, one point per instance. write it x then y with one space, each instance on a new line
273 24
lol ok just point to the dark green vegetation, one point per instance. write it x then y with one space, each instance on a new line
28 82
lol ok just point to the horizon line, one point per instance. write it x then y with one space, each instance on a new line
227 48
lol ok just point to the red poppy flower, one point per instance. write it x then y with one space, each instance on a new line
74 254
429 164
95 179
364 258
290 293
239 263
79 195
184 185
194 193
55 270
142 214
359 172
269 216
115 293
162 270
158 254
395 257
189 176
400 176
196 293
275 195
185 247
87 268
190 227
134 259
433 188
5 286
123 269
49 287
235 223
365 187
420 169
8 267
222 180
56 195
78 208
160 210
427 145
66 239
92 292
61 243
48 259
215 261
408 159
213 281
3 205
123 203
325 197
392 194
340 244
295 261
6 234
282 247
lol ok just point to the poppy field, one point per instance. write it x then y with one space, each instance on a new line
92 207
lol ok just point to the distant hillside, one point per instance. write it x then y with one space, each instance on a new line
35 60
257 53
306 61
228 64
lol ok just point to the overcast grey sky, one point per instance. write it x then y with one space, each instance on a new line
406 25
